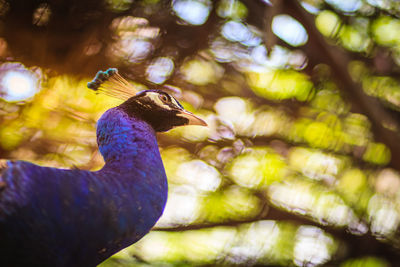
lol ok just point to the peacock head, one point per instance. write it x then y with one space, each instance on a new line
161 110
158 108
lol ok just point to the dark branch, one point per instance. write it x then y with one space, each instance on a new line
351 245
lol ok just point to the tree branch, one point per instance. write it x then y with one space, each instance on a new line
351 245
320 52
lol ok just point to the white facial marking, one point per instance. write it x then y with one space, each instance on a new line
156 99
174 102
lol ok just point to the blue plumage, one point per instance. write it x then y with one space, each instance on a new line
56 217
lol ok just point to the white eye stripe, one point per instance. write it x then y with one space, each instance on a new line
156 99
175 102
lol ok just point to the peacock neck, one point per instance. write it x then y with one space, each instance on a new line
126 143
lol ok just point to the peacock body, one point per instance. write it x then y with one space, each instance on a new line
59 217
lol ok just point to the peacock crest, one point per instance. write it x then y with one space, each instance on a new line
111 83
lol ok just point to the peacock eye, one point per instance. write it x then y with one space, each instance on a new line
164 98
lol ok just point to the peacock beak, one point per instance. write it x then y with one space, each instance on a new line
193 120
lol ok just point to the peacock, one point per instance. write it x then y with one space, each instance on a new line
71 217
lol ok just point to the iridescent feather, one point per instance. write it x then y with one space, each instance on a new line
111 83
60 217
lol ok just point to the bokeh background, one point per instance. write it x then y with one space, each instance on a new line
300 163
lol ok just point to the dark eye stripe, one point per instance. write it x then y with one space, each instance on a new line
172 102
176 102
167 96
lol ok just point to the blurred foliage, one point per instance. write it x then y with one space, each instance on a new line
290 171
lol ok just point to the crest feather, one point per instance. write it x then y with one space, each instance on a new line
111 83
